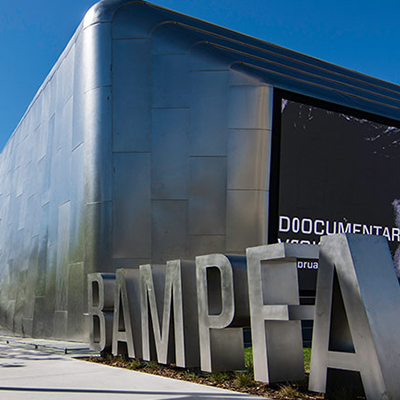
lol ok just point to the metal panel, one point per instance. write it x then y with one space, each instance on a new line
246 219
206 244
53 223
170 154
49 99
13 155
97 62
22 211
41 139
97 128
32 218
27 324
169 228
19 179
9 313
59 193
4 233
77 201
65 79
62 257
250 107
39 327
60 324
248 159
64 126
20 280
205 57
31 280
34 138
5 177
98 161
241 74
47 318
13 225
36 112
131 95
129 263
135 21
76 300
78 119
42 250
60 165
170 80
28 127
98 237
209 113
61 287
45 190
207 204
31 177
171 38
131 206
11 277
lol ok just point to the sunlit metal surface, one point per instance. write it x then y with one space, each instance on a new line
168 305
356 326
148 141
127 323
189 356
275 311
127 335
221 298
101 289
157 285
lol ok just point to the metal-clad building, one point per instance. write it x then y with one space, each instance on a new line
149 140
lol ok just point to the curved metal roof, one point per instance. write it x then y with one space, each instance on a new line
281 67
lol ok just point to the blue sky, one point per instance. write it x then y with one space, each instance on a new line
360 35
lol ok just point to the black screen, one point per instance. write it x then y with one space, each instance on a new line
337 173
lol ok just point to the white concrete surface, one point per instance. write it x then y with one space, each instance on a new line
46 373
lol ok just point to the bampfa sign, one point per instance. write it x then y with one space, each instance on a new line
192 313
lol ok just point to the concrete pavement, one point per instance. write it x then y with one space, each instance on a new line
40 370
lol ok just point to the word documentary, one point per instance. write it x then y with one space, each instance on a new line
192 313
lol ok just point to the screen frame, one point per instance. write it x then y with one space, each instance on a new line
278 95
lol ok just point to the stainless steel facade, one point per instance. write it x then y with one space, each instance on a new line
149 141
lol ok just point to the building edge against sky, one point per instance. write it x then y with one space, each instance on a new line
150 140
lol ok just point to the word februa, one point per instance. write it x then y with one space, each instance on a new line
192 313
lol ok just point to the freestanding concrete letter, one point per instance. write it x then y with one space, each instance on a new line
357 326
275 311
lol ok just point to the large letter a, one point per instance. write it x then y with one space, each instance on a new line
357 324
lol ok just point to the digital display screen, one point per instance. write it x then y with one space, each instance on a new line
337 173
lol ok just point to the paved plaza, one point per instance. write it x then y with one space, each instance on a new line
40 370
